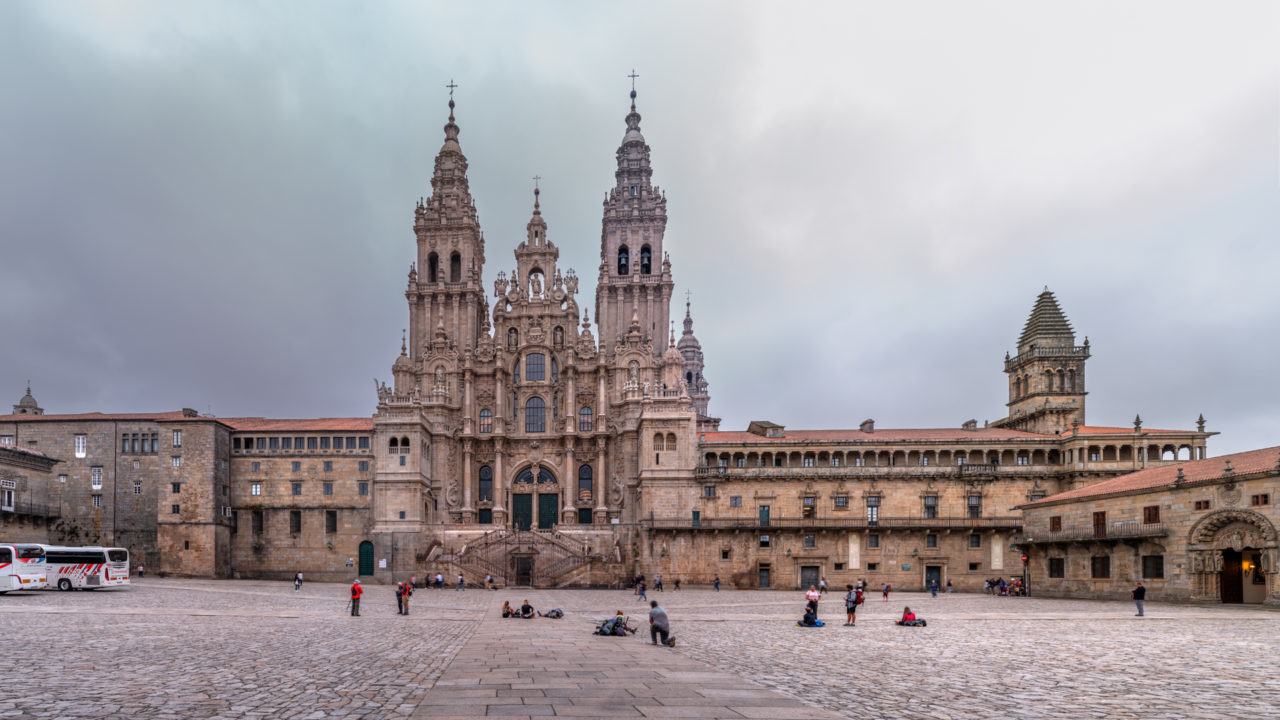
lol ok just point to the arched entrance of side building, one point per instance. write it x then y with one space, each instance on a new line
1233 557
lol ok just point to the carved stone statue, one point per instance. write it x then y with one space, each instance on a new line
535 284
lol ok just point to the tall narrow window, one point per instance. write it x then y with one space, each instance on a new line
433 268
873 510
535 415
584 420
624 260
975 506
486 420
82 444
486 484
646 260
95 477
930 506
584 483
513 340
535 366
455 267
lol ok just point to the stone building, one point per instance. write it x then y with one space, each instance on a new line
25 474
1199 530
514 441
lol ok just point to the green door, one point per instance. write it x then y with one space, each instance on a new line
366 558
522 510
548 505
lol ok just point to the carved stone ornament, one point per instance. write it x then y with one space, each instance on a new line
1229 494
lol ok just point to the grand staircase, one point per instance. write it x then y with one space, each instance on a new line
517 557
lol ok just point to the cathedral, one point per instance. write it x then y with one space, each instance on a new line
514 441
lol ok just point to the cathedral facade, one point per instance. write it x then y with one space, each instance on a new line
514 441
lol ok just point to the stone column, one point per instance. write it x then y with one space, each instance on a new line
568 484
499 485
468 510
602 483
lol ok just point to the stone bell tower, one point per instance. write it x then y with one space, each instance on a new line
634 269
1046 377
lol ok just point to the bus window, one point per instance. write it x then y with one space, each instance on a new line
30 551
118 555
6 556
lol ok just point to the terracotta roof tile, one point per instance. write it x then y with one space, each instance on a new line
24 450
257 424
122 417
887 435
1252 461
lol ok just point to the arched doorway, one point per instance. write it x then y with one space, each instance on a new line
535 484
1233 556
366 558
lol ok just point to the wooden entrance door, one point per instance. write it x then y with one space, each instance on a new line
524 570
932 574
522 510
548 508
809 575
1232 581
366 558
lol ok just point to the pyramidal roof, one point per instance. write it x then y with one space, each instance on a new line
1047 320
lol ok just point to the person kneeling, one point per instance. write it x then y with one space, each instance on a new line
909 619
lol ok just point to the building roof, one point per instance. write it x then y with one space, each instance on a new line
1193 471
25 451
242 424
878 436
257 424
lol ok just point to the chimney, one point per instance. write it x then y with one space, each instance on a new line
868 426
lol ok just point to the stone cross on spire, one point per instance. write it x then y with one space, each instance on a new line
451 86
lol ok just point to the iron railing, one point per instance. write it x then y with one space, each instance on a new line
1114 531
835 523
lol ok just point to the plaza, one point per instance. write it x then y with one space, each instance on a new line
187 648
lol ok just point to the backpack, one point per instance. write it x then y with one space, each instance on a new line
858 599
554 613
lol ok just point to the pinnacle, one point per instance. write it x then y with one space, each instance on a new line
1046 320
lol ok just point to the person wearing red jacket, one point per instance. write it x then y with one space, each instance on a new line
356 592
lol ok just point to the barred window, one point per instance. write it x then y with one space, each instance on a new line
535 415
535 366
585 423
486 420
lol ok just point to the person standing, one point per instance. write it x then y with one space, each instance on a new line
297 582
488 582
716 583
813 596
948 586
933 588
356 592
884 590
640 591
142 571
657 582
852 599
399 598
439 581
462 584
822 585
1139 594
659 625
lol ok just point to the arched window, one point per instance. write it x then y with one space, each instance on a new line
671 441
535 415
646 260
557 337
584 483
1048 380
486 420
584 420
688 378
455 267
1071 380
433 268
393 447
544 476
659 442
624 260
404 446
535 366
1062 380
486 484
513 338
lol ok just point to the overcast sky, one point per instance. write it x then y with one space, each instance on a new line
210 204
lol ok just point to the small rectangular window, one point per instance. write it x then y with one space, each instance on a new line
6 439
835 462
974 566
286 443
735 501
1150 514
1203 504
1153 567
402 461
260 443
1055 523
295 522
297 488
174 509
764 541
328 488
401 514
364 488
842 502
328 466
1262 499
255 466
97 501
364 466
337 443
1100 565
931 540
312 443
708 491
873 566
62 478
975 540
1057 567
177 487
235 443
255 489
176 460
810 541
137 487
331 521
873 540
324 443
297 466
808 461
364 443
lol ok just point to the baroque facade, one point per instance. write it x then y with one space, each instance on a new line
513 440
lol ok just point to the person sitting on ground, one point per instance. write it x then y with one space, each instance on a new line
810 618
909 619
526 610
507 611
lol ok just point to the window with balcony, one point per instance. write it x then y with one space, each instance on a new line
808 506
1055 523
930 506
974 506
873 510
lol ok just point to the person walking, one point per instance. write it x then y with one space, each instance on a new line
1139 594
860 585
657 582
640 591
297 582
488 582
822 585
949 587
400 598
356 592
462 584
439 581
676 583
716 583
884 591
659 625
933 588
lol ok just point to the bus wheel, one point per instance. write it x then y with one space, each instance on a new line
64 584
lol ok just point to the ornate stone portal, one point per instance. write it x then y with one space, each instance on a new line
1234 531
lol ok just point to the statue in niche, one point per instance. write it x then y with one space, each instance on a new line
535 284
439 378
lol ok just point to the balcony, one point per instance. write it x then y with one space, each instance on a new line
851 522
1115 531
30 509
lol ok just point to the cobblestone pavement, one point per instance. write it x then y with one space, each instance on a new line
230 649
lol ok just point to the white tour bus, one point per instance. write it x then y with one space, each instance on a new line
86 567
22 567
